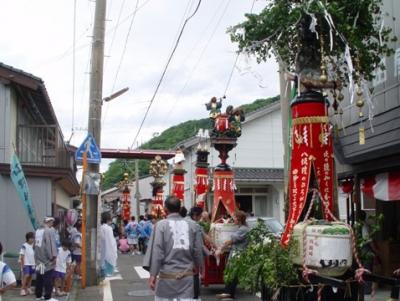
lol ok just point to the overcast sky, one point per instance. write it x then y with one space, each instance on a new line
37 37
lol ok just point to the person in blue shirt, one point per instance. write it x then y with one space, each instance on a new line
147 230
132 233
142 235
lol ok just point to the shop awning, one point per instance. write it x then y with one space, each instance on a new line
383 186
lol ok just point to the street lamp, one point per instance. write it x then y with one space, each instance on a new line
115 95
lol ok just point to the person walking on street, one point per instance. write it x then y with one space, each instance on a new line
237 243
27 261
195 216
173 255
132 233
108 246
142 235
45 257
147 230
7 277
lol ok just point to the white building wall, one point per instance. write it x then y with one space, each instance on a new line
62 198
260 144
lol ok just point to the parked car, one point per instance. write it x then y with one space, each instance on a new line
272 224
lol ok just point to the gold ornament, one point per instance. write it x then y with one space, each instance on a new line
324 77
360 104
361 135
340 96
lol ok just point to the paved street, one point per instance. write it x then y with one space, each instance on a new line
130 283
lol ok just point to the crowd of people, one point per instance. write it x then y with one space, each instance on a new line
174 250
47 258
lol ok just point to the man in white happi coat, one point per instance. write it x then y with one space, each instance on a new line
174 255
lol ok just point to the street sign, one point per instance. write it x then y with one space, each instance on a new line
93 153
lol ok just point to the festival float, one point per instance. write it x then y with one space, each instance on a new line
158 169
226 128
327 58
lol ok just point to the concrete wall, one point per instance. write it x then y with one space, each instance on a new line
14 221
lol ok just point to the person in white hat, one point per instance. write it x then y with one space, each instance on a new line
45 257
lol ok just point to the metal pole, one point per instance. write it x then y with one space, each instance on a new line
94 127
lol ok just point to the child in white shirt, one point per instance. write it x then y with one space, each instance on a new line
27 261
7 277
63 263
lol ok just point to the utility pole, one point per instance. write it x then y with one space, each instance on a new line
137 193
94 128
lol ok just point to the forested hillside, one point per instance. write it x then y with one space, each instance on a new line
168 140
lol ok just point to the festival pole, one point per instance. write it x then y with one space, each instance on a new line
178 177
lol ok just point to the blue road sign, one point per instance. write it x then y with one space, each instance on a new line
93 153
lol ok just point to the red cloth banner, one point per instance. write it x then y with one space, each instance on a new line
224 193
178 186
312 154
201 186
384 186
126 206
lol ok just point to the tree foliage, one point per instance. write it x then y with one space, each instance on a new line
168 140
264 262
293 30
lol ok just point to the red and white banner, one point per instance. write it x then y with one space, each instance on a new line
201 186
383 186
224 193
178 186
311 153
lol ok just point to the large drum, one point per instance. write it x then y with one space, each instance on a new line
220 233
328 247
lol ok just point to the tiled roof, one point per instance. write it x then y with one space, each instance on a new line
258 174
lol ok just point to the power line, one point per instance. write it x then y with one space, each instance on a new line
122 56
115 30
73 71
164 72
231 75
188 78
235 62
125 45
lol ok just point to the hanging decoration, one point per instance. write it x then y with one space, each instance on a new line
311 156
72 217
178 178
158 169
201 184
226 130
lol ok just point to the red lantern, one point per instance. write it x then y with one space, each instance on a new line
312 153
221 123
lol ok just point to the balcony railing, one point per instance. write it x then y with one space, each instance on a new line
43 145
